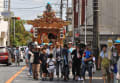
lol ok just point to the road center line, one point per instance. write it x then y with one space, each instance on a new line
15 75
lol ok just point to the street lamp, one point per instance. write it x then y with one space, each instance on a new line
14 21
85 22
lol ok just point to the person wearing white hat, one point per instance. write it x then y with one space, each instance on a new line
117 45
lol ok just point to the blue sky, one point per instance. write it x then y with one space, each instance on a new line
33 8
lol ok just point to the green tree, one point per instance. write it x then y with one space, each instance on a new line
21 35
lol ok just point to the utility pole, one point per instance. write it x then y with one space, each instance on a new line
85 22
79 19
95 30
14 27
61 16
75 18
61 9
67 11
9 2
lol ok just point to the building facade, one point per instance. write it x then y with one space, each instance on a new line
3 26
109 18
1 6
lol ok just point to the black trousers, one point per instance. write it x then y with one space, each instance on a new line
66 70
76 68
58 67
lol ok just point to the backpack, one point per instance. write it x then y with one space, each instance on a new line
50 63
90 61
114 57
105 62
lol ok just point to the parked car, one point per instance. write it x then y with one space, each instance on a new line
5 56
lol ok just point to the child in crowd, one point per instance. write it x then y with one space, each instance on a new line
51 66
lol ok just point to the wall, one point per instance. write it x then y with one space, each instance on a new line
3 32
3 26
109 16
1 6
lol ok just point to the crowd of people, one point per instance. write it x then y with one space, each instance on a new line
56 60
46 60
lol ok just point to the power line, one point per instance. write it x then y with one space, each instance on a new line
29 8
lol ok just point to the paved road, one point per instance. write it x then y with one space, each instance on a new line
7 72
23 78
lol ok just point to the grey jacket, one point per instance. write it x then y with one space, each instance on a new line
118 65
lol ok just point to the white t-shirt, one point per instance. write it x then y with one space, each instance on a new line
94 59
50 62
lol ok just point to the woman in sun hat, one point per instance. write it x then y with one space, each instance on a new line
117 46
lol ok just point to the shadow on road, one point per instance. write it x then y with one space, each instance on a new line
4 65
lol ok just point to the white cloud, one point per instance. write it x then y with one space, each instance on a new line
38 0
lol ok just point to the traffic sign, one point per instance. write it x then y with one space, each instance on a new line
6 14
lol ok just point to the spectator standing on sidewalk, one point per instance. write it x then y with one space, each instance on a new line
105 64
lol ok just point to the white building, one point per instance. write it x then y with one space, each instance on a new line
109 18
1 6
3 27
